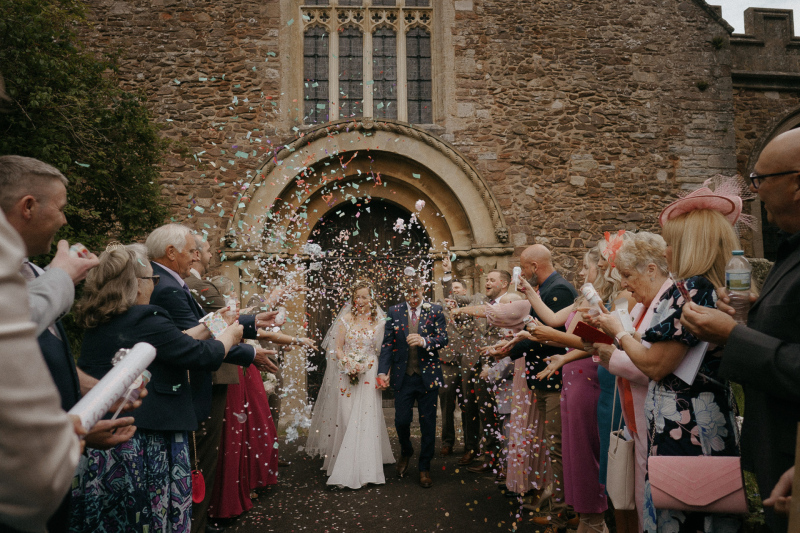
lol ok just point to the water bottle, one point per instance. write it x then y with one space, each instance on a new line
737 281
593 299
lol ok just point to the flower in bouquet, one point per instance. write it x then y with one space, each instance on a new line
353 365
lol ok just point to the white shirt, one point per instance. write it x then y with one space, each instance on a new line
173 274
193 272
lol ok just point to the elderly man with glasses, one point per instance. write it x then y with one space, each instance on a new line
764 356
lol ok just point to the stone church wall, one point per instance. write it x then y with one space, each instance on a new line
588 116
582 116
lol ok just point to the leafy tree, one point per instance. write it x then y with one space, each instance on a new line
67 109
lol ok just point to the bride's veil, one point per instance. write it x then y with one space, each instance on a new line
326 408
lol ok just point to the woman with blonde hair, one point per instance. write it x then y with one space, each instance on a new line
144 484
347 426
697 418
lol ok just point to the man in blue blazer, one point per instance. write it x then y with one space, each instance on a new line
172 248
415 331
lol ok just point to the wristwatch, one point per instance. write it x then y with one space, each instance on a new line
618 339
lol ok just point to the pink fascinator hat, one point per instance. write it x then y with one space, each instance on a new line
726 197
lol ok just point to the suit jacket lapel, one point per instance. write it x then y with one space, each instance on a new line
775 276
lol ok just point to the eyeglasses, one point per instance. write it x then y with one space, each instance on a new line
757 178
154 279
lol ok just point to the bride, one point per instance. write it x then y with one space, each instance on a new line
347 426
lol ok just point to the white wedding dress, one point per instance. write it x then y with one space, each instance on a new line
347 427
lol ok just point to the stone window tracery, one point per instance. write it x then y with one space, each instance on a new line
377 56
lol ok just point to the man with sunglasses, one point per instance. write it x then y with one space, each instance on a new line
764 356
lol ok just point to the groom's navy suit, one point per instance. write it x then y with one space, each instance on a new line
423 386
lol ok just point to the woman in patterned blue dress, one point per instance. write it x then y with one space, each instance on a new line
143 485
684 419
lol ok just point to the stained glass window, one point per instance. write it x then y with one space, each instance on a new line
420 86
418 3
351 2
384 73
315 75
315 2
351 73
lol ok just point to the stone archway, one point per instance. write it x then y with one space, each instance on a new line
347 160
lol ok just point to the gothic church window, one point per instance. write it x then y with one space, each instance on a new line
369 58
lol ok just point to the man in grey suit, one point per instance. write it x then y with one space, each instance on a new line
458 358
764 356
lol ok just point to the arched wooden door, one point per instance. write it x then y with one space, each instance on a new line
359 241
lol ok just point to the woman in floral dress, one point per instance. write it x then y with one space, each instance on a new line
687 419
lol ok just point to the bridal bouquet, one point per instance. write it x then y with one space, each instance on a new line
354 365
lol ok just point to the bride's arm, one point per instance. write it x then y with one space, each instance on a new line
340 335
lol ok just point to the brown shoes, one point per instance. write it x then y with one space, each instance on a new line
446 450
425 480
467 458
402 465
481 468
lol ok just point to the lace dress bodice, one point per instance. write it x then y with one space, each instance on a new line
360 341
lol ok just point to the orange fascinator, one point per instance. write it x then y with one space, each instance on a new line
613 244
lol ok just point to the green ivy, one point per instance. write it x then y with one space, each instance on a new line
67 109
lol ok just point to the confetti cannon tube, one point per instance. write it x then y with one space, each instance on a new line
114 385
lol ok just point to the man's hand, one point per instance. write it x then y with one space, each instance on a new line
76 267
266 319
109 433
415 339
80 431
450 303
707 324
781 495
264 363
383 382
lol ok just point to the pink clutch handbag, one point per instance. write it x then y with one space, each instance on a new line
703 483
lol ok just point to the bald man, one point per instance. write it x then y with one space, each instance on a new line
764 356
557 293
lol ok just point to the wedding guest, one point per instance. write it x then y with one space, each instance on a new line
510 314
467 333
764 356
457 359
580 436
172 249
700 239
39 449
557 293
249 446
500 376
609 408
497 282
33 196
144 484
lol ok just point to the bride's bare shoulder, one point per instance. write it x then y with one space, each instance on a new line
348 317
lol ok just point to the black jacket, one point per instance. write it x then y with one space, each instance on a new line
186 313
765 358
556 293
168 405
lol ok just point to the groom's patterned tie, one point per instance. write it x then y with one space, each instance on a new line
414 317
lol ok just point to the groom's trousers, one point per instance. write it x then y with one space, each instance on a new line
413 389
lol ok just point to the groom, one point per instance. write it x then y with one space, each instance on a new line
414 332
